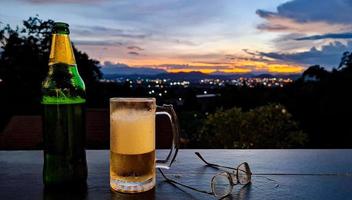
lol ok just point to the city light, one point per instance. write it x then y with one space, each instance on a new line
204 83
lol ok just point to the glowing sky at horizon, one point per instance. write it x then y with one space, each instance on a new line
231 36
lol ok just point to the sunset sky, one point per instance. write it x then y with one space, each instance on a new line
224 36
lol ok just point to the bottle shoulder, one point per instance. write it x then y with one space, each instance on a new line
63 85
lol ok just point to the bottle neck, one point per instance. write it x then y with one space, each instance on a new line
61 50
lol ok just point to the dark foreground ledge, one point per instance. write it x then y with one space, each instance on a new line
295 174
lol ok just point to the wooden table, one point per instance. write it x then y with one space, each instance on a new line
291 174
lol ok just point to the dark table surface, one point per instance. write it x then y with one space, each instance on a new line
289 174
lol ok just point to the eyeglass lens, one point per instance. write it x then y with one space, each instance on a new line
244 176
221 184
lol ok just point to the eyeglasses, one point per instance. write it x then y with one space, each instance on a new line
223 182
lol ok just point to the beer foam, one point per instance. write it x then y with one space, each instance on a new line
132 131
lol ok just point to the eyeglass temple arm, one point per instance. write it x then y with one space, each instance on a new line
178 183
212 164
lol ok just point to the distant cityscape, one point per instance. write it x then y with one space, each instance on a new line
164 83
198 80
180 88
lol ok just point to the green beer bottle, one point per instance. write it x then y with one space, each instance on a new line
63 115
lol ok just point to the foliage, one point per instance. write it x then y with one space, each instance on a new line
316 71
346 61
24 56
324 106
269 126
190 121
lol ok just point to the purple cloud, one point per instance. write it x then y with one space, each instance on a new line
101 31
136 48
329 55
123 69
332 11
98 42
133 53
327 36
62 1
301 16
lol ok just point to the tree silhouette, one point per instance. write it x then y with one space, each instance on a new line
346 60
315 71
323 106
24 57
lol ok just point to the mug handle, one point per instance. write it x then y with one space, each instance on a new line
170 112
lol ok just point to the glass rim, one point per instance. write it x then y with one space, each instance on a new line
132 99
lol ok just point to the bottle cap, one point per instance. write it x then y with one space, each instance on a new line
61 27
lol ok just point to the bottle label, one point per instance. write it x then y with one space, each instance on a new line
61 50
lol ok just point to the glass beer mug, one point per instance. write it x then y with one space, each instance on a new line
132 143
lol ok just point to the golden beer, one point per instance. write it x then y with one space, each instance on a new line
132 144
132 167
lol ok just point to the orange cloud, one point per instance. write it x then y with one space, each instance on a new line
271 67
238 66
208 71
277 68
